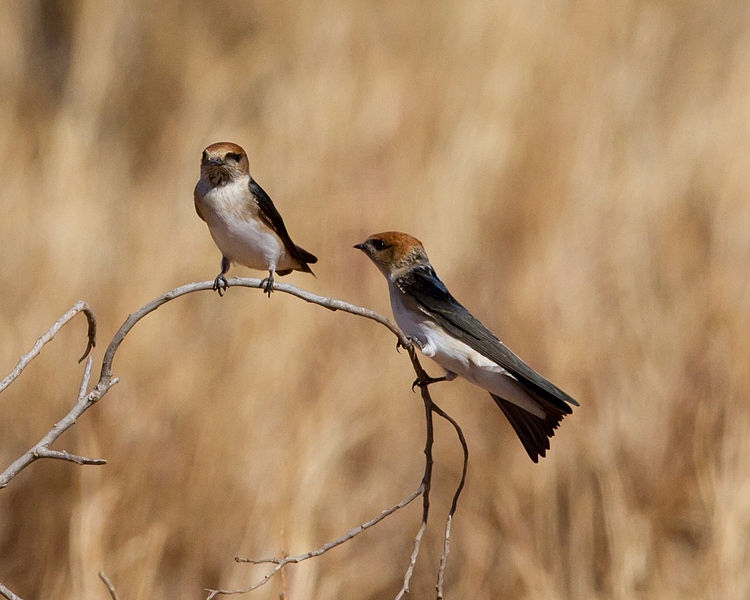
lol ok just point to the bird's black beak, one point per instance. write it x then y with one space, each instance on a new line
359 246
215 162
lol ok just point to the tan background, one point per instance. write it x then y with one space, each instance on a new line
579 174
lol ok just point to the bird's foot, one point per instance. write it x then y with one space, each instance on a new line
419 382
220 284
266 285
410 342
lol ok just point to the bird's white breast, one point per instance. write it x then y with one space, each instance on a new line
235 225
449 352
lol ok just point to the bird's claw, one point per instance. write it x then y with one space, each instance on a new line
419 382
266 285
220 284
410 342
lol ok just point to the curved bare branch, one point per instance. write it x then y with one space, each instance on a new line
79 306
106 381
108 584
326 302
6 593
41 448
454 503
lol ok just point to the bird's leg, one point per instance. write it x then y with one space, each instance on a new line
220 283
266 284
411 340
399 345
425 382
449 376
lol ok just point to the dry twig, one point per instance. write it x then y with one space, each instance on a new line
282 562
430 407
106 381
426 478
79 306
454 503
6 593
110 587
423 380
41 448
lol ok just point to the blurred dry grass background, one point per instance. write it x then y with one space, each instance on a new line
579 174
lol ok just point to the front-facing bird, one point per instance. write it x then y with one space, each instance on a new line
242 219
449 334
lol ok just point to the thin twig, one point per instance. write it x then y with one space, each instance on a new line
6 593
424 489
108 583
282 562
412 560
427 477
329 303
465 448
43 452
444 557
454 504
79 306
423 377
106 381
282 575
41 448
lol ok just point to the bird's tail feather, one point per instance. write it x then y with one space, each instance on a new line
308 257
303 258
534 432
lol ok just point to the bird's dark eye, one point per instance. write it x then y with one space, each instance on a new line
379 244
234 156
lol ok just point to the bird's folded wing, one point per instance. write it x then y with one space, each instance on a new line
271 217
423 286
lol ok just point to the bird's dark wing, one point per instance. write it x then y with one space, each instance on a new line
196 203
424 287
272 218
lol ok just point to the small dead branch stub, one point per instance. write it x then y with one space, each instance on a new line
87 399
108 585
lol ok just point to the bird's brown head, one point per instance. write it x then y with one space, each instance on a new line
224 161
393 251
